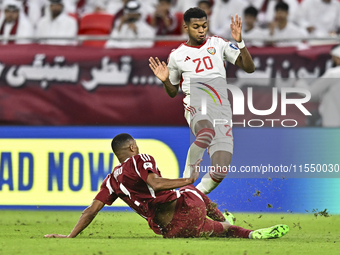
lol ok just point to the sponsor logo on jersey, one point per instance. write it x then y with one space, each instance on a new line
187 58
233 46
147 165
211 50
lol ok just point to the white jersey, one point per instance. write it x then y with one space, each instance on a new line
201 62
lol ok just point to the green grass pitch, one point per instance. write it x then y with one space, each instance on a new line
21 232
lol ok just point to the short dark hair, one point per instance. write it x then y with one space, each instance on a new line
194 13
120 140
252 11
282 6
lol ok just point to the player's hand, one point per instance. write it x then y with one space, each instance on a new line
56 236
236 28
195 170
159 68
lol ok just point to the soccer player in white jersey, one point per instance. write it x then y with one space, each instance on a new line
203 57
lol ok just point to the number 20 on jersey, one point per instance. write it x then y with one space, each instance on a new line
207 63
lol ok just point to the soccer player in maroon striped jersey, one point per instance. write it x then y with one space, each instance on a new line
171 213
203 58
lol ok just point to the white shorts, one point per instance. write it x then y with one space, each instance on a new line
221 118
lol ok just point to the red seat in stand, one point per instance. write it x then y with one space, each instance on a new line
96 24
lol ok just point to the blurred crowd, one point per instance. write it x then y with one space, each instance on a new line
264 21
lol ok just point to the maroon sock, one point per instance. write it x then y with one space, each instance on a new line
235 231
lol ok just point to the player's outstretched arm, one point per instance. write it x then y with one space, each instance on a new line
85 219
162 72
245 60
158 183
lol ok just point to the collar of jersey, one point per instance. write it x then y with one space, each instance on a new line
199 46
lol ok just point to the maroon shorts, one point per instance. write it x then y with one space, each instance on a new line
190 217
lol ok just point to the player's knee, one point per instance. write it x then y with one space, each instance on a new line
204 137
203 124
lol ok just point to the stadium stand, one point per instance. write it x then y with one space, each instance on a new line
95 24
177 31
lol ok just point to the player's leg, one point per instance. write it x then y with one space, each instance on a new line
225 229
212 211
220 160
205 133
220 151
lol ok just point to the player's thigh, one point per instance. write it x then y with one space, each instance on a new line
196 120
204 123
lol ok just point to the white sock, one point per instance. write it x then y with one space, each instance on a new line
207 184
194 153
197 148
250 237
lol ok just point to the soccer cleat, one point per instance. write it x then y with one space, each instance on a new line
229 217
271 232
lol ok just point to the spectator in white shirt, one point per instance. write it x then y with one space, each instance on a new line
320 17
282 29
131 26
14 22
326 90
147 6
266 10
251 30
206 6
57 24
221 15
40 8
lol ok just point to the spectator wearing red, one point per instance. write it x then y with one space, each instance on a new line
163 20
14 22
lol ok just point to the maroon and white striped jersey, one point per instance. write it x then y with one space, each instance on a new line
128 182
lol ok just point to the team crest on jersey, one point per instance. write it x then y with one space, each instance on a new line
211 50
147 165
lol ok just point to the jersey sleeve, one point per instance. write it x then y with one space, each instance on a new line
230 51
145 165
106 193
174 74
